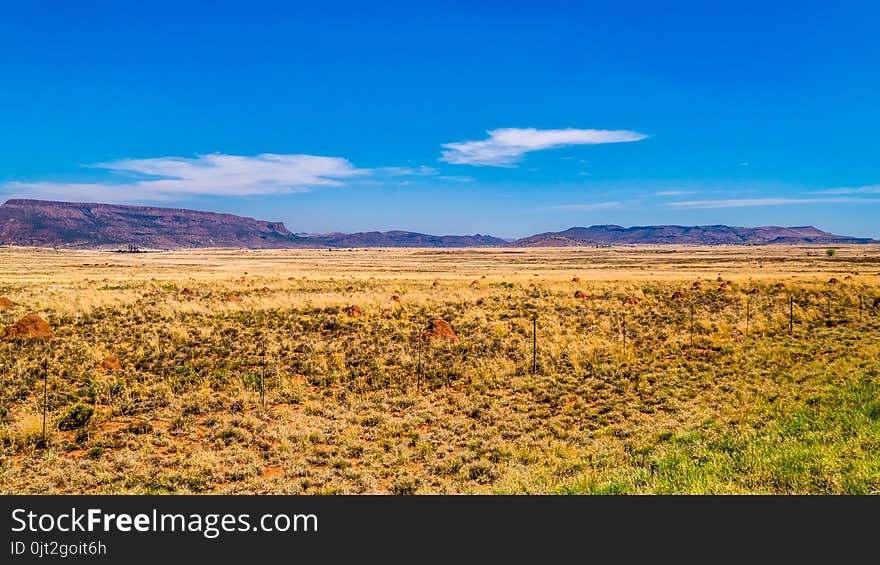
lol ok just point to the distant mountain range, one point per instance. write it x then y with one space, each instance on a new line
41 223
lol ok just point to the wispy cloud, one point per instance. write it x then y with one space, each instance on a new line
585 207
745 202
170 178
456 178
867 189
674 192
505 147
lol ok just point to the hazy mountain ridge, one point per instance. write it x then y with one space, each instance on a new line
41 223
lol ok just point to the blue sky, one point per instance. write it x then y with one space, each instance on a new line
504 118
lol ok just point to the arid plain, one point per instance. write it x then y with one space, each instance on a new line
561 370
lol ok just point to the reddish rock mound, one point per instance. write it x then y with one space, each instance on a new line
111 364
440 329
187 292
395 298
233 298
579 294
833 280
576 279
697 285
475 283
678 295
779 285
436 283
6 303
354 311
755 291
31 326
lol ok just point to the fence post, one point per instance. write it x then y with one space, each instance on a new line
534 343
790 315
692 325
45 403
419 366
748 314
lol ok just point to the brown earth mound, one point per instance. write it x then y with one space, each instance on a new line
631 300
354 311
755 291
848 277
576 279
833 280
719 279
186 292
6 303
111 364
440 329
31 326
475 283
265 289
233 298
395 298
579 294
697 285
779 285
678 295
436 283
725 288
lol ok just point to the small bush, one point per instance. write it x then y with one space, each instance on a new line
76 417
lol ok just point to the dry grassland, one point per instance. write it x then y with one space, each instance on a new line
313 371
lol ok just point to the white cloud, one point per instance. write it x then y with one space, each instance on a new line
744 202
674 192
505 147
169 178
867 189
585 207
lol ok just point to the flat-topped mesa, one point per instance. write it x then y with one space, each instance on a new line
74 224
686 235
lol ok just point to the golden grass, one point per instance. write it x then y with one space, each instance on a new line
284 391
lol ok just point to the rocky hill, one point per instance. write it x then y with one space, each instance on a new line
686 235
41 223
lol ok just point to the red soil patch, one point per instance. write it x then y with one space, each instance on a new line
579 294
272 472
233 298
631 300
111 364
354 311
5 303
440 329
31 326
186 292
